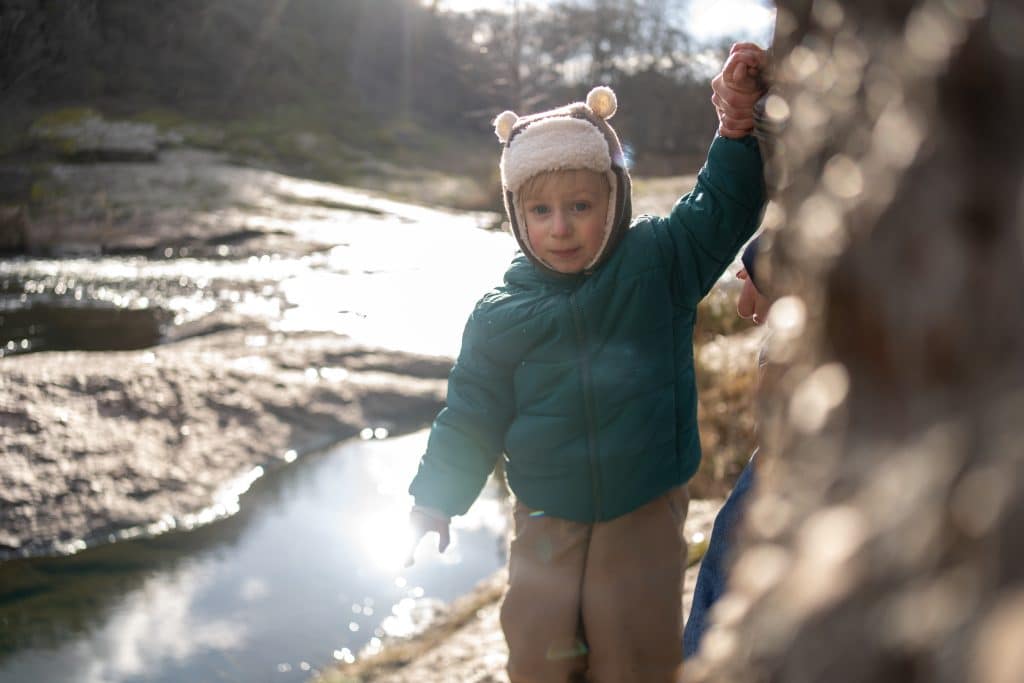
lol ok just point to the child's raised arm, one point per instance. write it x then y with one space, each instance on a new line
710 224
737 88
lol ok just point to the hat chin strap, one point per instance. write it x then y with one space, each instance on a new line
613 201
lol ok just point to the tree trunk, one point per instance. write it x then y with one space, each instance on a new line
884 542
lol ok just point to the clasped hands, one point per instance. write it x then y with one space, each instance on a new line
737 88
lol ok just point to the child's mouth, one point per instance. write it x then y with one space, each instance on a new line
565 253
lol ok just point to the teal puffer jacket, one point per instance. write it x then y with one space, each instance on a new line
586 382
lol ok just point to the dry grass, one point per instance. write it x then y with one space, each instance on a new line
400 652
727 412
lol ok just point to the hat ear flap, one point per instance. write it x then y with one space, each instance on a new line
602 101
503 125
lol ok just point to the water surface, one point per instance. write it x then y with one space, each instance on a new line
310 572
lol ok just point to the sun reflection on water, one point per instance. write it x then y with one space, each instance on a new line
384 538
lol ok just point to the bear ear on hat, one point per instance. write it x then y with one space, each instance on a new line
503 124
602 101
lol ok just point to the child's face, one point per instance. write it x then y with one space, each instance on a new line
566 214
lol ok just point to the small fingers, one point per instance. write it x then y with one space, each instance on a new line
736 97
732 116
735 123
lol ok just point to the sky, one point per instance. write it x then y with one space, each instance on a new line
707 20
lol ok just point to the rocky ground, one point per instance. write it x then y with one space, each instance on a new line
465 644
98 444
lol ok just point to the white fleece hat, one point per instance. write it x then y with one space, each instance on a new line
576 136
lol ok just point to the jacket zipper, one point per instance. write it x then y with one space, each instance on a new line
595 487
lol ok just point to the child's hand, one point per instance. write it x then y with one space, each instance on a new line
737 88
423 521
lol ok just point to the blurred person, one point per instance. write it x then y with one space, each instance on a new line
752 304
579 368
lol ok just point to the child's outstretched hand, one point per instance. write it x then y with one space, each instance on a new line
423 521
737 88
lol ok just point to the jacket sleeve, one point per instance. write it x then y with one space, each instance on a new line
707 227
468 435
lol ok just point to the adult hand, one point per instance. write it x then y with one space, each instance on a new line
423 522
737 88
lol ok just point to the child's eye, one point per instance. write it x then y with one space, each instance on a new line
539 209
580 207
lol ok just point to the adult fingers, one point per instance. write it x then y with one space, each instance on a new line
744 65
751 58
735 127
734 103
744 46
751 51
735 70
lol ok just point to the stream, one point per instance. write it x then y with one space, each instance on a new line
309 572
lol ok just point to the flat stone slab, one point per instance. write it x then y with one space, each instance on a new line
94 446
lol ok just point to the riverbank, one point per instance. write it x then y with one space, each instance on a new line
100 446
183 321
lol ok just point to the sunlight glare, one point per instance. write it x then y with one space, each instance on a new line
707 20
710 20
384 538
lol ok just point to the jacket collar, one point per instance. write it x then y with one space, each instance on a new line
524 271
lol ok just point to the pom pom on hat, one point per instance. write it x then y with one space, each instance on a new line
503 124
602 101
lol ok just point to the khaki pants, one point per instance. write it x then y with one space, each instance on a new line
597 602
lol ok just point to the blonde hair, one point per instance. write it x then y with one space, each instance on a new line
537 183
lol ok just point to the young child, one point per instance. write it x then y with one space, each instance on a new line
580 370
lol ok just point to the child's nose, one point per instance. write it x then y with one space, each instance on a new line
560 225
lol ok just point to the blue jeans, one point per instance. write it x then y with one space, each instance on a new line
711 578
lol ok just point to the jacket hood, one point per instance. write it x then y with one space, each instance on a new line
576 136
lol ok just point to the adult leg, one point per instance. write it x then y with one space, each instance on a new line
711 579
633 593
540 614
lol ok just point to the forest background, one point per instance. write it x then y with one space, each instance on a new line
332 89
